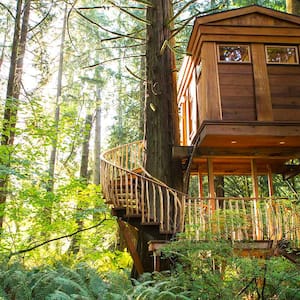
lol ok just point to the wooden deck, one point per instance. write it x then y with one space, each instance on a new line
127 188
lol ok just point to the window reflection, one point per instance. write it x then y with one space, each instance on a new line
282 54
234 53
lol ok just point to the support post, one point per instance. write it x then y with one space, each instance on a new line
211 184
200 184
270 182
256 225
129 239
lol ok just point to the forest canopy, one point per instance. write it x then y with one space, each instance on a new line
72 77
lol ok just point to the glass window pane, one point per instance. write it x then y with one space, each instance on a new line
282 54
234 53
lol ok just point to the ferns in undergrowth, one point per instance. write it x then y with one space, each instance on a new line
14 283
194 277
47 283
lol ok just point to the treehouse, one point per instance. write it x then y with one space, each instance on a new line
239 106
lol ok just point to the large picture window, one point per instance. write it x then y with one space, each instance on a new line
282 54
234 53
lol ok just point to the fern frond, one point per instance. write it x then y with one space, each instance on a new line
58 295
166 295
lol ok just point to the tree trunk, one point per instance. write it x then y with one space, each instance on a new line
12 96
75 242
293 7
142 97
85 148
97 143
161 112
52 160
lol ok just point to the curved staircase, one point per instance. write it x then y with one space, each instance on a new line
136 195
137 198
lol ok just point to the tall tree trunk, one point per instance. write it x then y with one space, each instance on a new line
52 160
12 95
97 143
85 148
293 7
161 112
75 242
142 93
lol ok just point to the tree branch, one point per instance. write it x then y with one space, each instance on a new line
130 35
129 13
110 6
8 10
110 60
246 287
43 19
56 239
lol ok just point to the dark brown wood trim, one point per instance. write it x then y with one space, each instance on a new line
129 239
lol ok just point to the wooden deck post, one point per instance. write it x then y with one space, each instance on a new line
211 184
270 182
129 239
254 179
256 225
200 184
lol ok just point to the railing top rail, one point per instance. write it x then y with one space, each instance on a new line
239 198
149 179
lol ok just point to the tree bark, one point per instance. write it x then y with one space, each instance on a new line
52 160
97 143
75 243
293 7
161 112
142 93
12 95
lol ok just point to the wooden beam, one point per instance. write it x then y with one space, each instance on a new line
256 224
182 152
129 239
254 179
270 182
211 87
200 183
211 184
262 86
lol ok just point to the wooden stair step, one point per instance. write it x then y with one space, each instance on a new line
150 223
137 216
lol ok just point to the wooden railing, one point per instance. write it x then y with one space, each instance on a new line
243 219
125 186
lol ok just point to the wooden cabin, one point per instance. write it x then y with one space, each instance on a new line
239 94
239 104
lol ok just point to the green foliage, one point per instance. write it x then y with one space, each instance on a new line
210 270
28 224
207 270
80 282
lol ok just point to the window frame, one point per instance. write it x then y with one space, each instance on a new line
295 47
247 46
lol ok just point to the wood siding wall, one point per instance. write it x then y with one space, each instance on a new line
237 92
285 92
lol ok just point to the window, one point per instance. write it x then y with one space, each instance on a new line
282 54
234 53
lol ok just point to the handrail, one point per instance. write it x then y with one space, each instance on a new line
126 186
243 219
